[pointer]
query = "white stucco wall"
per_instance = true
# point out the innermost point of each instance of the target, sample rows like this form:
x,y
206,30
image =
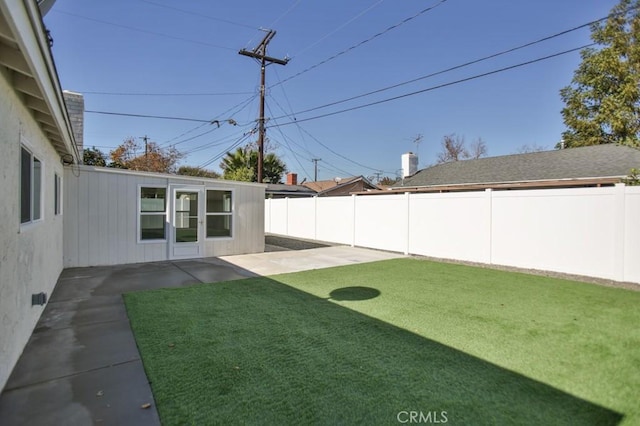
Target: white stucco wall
x,y
31,256
101,217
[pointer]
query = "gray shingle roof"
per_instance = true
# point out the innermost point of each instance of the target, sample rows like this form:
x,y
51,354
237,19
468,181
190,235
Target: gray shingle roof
x,y
584,162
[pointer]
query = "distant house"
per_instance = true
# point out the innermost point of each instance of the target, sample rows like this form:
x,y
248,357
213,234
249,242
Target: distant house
x,y
289,190
599,165
323,188
341,186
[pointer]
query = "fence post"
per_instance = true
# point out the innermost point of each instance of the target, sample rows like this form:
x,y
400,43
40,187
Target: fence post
x,y
353,221
407,196
489,197
267,215
286,216
315,217
618,233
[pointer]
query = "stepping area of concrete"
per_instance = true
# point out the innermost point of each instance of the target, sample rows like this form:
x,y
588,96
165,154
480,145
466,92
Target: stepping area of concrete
x,y
82,366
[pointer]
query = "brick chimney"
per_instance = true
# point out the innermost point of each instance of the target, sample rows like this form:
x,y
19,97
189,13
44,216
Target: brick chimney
x,y
292,179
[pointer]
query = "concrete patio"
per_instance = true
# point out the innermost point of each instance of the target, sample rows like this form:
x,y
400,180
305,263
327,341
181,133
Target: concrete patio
x,y
81,365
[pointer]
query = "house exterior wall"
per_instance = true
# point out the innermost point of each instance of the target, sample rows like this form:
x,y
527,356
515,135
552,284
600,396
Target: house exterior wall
x,y
101,217
583,231
31,255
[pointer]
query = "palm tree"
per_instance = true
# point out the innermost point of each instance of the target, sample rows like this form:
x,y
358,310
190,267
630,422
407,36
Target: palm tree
x,y
242,165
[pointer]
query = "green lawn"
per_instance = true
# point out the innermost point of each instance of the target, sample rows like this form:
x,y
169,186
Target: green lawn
x,y
372,343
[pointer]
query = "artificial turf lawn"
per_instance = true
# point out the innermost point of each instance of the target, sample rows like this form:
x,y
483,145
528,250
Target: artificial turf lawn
x,y
367,343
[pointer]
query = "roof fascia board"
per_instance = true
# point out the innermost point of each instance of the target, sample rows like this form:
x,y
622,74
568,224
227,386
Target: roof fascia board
x,y
165,175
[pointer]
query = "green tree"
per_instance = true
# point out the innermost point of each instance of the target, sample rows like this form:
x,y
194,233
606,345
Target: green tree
x,y
602,104
242,165
197,171
93,157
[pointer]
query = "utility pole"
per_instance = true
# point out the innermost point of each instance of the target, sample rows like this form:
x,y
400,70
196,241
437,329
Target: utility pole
x,y
145,138
315,175
377,175
260,53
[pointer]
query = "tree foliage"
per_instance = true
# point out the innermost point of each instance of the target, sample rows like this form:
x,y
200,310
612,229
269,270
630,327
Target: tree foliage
x,y
454,149
152,158
93,157
197,171
242,165
388,181
525,149
602,104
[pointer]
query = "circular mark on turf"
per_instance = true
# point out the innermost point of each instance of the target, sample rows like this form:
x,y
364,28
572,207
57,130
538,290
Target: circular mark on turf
x,y
354,293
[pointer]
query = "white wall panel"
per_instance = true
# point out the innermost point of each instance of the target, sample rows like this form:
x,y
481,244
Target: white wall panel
x,y
381,222
632,235
450,226
278,216
565,230
302,217
334,219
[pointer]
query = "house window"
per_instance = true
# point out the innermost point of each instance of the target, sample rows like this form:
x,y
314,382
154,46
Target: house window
x,y
30,187
57,194
153,213
219,213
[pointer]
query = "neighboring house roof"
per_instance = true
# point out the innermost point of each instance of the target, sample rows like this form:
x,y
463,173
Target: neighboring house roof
x,y
289,190
591,162
341,185
25,51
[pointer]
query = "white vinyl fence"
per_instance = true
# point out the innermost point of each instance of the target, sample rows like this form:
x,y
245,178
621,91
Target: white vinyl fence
x,y
584,231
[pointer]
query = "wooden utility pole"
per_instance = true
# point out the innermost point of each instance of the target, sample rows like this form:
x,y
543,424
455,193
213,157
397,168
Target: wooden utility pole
x,y
260,53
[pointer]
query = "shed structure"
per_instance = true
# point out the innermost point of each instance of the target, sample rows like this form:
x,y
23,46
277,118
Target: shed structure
x,y
114,216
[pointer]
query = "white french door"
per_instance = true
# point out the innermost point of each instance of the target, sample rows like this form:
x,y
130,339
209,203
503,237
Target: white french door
x,y
187,233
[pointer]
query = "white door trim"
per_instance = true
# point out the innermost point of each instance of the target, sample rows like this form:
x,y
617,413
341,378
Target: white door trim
x,y
186,250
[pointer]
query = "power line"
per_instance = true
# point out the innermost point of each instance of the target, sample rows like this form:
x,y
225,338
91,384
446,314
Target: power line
x,y
338,154
161,117
143,31
286,142
332,32
228,149
200,15
300,129
466,64
293,6
355,46
440,86
228,112
162,94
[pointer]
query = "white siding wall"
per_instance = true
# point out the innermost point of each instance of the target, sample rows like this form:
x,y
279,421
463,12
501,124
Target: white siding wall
x,y
101,218
31,256
584,231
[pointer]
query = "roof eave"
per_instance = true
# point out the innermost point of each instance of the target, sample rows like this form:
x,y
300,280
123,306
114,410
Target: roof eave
x,y
24,50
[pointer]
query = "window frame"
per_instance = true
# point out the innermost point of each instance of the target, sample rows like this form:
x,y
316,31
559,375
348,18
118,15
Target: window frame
x,y
231,214
33,188
164,213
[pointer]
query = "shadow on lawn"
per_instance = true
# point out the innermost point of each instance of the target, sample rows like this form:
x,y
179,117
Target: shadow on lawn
x,y
354,293
259,351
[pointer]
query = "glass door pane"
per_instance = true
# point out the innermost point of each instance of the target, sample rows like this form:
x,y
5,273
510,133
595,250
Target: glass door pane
x,y
186,217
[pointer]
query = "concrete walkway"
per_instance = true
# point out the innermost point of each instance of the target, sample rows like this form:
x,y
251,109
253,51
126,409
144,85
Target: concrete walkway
x,y
82,366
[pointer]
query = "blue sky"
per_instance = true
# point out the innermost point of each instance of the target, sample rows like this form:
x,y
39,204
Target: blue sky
x,y
180,59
